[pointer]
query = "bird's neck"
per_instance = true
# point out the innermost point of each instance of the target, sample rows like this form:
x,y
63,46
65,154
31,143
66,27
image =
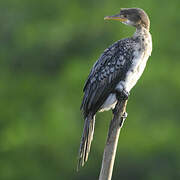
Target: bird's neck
x,y
141,31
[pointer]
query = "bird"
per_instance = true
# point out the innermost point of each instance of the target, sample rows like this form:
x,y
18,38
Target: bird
x,y
115,73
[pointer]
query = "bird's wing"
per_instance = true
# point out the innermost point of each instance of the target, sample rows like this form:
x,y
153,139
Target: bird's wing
x,y
108,70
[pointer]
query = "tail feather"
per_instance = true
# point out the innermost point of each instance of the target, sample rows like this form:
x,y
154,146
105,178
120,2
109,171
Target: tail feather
x,y
86,140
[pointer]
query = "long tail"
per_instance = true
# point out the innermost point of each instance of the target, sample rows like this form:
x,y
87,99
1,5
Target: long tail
x,y
86,140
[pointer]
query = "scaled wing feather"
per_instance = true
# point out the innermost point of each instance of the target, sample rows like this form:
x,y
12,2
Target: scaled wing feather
x,y
106,73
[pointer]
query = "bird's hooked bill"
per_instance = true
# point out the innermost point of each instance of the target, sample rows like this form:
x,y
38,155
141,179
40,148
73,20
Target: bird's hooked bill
x,y
115,17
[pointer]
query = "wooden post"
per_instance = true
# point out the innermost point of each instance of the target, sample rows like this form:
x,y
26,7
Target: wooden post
x,y
112,140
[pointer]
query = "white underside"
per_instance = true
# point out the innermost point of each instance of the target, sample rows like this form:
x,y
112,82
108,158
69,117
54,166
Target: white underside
x,y
132,76
109,103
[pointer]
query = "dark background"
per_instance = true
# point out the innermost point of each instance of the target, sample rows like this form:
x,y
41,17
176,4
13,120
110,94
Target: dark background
x,y
46,51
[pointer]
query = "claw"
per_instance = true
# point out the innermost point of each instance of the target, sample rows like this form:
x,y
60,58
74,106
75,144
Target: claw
x,y
125,94
122,95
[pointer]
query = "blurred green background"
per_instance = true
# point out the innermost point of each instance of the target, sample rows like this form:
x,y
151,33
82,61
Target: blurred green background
x,y
46,51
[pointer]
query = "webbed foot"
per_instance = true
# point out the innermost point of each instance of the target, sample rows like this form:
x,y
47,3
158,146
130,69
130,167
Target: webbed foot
x,y
122,95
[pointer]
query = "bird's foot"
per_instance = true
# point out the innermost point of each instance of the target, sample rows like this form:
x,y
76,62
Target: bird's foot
x,y
122,95
125,94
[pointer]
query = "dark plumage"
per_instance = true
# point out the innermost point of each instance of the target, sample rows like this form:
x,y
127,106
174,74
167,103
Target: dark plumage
x,y
110,68
116,72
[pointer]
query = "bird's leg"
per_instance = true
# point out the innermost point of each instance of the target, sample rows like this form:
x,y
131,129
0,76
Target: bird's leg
x,y
124,94
121,93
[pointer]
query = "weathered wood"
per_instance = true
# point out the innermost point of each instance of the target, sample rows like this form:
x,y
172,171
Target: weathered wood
x,y
112,140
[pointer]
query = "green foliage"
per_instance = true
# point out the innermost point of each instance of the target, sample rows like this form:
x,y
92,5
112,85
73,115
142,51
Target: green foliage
x,y
47,50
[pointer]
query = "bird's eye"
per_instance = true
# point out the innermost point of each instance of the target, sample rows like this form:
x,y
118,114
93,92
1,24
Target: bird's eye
x,y
125,16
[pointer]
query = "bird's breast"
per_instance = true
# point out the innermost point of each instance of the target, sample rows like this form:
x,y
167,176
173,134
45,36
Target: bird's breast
x,y
142,51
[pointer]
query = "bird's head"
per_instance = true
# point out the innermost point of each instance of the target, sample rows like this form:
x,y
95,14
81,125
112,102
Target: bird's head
x,y
132,16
